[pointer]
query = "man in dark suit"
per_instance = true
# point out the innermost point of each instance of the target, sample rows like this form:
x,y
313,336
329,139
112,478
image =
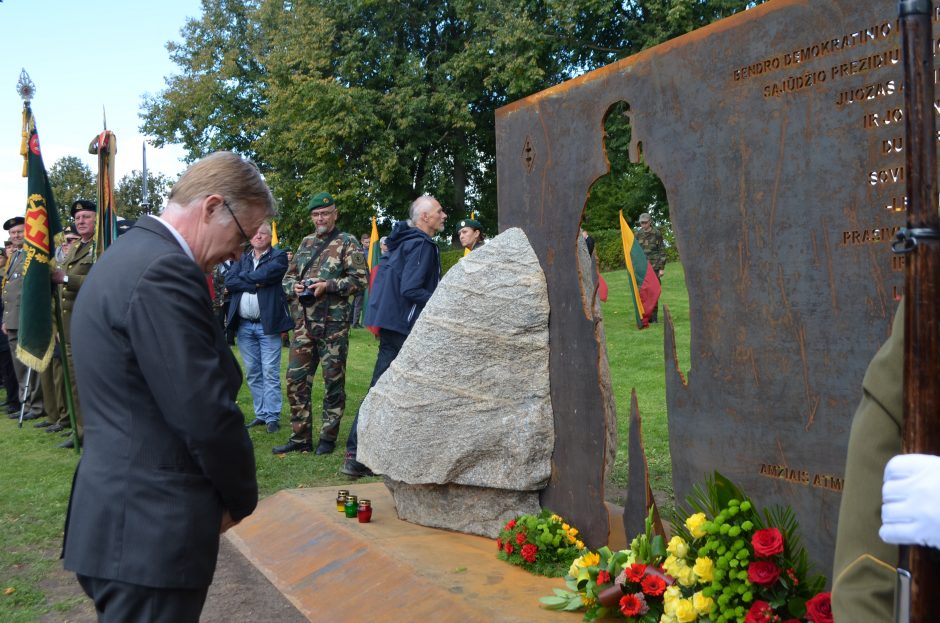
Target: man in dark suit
x,y
168,465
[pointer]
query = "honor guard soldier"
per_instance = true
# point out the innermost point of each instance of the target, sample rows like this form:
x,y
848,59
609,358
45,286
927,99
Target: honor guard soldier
x,y
78,262
12,293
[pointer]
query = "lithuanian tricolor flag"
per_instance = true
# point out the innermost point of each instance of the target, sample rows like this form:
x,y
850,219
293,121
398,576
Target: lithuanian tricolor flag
x,y
644,284
375,252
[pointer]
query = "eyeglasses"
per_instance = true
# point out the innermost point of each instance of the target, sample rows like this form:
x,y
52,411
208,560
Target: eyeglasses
x,y
323,213
237,224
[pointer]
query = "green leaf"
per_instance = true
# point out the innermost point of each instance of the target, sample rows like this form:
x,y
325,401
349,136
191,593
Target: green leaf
x,y
574,604
797,607
553,603
658,546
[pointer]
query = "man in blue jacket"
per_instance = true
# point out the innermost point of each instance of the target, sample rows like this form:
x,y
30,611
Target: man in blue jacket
x,y
258,312
406,279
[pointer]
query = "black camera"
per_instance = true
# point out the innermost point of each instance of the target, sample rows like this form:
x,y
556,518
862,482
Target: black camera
x,y
307,298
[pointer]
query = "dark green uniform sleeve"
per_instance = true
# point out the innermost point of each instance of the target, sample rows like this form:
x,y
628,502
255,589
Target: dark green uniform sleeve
x,y
864,574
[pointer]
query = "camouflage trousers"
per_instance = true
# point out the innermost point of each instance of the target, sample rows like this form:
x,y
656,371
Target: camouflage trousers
x,y
327,347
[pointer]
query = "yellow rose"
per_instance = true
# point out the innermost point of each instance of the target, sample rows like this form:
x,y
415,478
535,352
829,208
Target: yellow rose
x,y
678,547
674,566
583,562
666,618
695,525
705,569
686,576
579,544
670,599
703,605
685,611
565,526
572,531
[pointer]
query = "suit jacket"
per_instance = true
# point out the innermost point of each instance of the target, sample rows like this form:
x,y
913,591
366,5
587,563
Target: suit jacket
x,y
265,281
165,444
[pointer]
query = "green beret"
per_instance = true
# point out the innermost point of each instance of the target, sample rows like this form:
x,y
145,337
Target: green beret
x,y
469,222
320,200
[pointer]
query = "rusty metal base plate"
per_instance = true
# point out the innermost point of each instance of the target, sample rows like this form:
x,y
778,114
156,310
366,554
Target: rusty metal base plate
x,y
337,569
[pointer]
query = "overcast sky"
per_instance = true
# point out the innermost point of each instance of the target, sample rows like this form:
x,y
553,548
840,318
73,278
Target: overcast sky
x,y
83,55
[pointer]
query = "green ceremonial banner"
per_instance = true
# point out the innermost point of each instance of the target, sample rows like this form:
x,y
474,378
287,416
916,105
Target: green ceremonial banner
x,y
35,339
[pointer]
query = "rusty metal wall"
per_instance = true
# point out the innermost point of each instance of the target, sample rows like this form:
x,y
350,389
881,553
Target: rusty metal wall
x,y
776,135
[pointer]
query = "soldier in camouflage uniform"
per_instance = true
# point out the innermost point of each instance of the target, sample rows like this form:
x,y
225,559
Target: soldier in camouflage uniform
x,y
326,270
655,249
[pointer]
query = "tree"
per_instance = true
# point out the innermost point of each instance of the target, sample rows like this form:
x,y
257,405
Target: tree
x,y
71,179
128,194
633,187
217,102
377,102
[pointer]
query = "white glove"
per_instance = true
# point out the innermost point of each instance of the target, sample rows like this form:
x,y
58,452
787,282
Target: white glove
x,y
910,512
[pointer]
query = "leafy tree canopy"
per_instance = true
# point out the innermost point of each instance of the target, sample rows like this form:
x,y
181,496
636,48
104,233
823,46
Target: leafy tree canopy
x,y
377,102
128,194
71,179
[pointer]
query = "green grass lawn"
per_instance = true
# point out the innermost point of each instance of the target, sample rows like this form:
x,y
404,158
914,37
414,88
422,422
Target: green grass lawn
x,y
637,362
37,476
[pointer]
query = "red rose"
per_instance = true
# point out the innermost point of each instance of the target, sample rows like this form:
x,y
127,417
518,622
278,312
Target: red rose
x,y
763,572
510,524
520,538
767,542
630,605
653,585
759,613
635,572
508,547
499,544
603,577
528,552
819,608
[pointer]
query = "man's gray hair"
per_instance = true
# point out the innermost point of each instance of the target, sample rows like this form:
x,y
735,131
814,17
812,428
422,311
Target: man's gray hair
x,y
418,207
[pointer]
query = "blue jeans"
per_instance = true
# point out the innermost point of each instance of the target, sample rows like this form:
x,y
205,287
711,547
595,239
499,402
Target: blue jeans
x,y
262,356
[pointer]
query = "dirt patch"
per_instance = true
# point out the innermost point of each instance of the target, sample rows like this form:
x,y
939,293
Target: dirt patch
x,y
239,594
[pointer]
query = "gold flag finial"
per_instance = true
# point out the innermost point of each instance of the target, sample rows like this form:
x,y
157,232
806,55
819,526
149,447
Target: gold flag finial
x,y
26,89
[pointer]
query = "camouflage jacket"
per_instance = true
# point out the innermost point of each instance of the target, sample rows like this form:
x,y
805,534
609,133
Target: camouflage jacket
x,y
341,264
653,246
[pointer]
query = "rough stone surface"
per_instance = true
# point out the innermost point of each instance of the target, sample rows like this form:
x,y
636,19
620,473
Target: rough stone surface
x,y
467,399
474,510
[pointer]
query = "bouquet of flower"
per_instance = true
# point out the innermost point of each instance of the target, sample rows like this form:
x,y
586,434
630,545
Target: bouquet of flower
x,y
630,582
726,563
543,544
